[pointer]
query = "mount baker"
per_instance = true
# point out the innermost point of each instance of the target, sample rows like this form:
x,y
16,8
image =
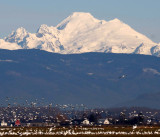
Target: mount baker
x,y
81,32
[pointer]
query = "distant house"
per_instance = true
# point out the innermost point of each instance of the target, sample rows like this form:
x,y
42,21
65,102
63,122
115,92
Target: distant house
x,y
103,122
3,123
86,122
106,122
149,121
17,123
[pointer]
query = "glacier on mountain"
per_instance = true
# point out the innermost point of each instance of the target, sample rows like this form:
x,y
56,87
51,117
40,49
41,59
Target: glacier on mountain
x,y
8,45
81,32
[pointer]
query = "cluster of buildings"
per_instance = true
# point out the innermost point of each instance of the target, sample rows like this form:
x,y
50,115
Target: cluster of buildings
x,y
55,116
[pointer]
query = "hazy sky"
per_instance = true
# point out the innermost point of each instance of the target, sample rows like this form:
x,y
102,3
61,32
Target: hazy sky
x,y
142,15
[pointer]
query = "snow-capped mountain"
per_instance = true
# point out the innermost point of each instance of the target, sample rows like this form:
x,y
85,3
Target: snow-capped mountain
x,y
81,32
8,45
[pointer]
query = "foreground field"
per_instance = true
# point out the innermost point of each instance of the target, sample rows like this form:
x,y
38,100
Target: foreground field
x,y
83,136
81,131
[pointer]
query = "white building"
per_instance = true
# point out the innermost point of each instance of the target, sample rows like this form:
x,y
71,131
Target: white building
x,y
86,122
103,121
3,123
106,122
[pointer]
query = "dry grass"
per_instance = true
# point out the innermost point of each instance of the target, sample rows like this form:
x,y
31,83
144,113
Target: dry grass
x,y
86,136
19,130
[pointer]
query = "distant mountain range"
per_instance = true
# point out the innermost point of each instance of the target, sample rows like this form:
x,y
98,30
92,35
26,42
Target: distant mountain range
x,y
80,33
94,79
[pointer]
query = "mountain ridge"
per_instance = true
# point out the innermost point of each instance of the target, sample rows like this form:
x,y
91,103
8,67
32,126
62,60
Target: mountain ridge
x,y
80,33
93,79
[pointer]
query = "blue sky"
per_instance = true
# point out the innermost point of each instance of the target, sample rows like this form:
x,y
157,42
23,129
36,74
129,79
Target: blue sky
x,y
142,15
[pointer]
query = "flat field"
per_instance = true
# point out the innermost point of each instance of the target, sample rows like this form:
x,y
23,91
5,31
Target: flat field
x,y
111,131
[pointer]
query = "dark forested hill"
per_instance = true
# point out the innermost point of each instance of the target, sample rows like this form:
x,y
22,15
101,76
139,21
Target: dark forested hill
x,y
94,79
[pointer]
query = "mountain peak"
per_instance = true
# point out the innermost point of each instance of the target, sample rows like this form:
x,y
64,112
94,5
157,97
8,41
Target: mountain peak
x,y
81,32
21,30
17,36
116,20
76,14
42,28
77,18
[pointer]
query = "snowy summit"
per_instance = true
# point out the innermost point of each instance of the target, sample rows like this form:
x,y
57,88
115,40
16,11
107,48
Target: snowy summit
x,y
81,32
